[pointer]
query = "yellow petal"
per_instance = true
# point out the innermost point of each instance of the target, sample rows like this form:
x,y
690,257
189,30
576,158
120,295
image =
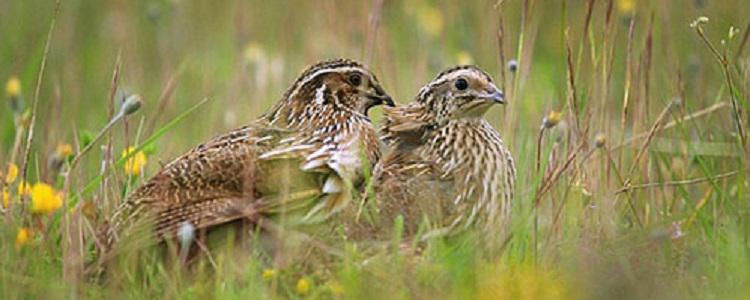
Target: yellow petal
x,y
6,197
254,53
134,165
22,238
303,286
625,6
464,58
430,20
24,188
13,87
44,199
64,150
336,288
268,274
12,174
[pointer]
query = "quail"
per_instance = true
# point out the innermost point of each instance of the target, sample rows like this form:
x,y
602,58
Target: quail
x,y
300,161
447,169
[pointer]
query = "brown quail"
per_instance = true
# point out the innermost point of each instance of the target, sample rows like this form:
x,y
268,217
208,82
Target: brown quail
x,y
448,169
298,162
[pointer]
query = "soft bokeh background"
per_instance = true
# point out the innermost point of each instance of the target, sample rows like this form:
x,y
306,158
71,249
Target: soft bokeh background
x,y
585,239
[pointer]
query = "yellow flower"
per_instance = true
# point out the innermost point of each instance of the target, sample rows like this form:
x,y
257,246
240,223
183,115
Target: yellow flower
x,y
64,150
430,20
6,197
303,286
12,174
335,287
44,199
626,7
134,164
22,238
254,53
268,274
464,58
13,87
523,282
24,188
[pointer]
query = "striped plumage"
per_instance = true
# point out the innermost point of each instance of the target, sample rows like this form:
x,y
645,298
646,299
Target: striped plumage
x,y
447,164
297,160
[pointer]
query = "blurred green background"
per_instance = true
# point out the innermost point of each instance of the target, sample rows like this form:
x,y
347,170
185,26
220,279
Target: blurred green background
x,y
244,54
674,240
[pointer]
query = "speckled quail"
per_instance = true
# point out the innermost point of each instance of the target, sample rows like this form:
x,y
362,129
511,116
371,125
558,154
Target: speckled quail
x,y
298,163
448,169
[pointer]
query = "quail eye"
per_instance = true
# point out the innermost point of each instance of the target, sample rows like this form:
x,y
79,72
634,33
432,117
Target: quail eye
x,y
355,79
461,84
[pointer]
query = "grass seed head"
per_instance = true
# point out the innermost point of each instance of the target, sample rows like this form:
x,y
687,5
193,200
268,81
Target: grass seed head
x,y
733,32
62,152
552,119
512,65
131,104
699,22
600,140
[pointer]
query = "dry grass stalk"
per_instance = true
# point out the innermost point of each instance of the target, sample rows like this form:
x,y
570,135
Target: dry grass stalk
x,y
676,182
646,65
723,62
108,157
372,30
628,81
73,252
499,37
745,37
623,182
69,274
37,89
649,138
548,182
695,115
166,96
572,99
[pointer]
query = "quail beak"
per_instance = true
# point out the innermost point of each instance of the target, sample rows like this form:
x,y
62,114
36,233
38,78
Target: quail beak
x,y
494,96
378,96
483,101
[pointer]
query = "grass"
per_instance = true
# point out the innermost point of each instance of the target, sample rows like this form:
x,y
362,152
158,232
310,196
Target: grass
x,y
640,190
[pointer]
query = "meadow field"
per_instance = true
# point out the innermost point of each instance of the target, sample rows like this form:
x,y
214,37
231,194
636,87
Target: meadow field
x,y
628,121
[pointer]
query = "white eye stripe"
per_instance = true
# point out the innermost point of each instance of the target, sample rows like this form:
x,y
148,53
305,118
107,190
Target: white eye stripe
x,y
320,96
317,73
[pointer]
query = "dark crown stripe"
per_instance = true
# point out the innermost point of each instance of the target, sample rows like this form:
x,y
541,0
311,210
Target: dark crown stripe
x,y
459,68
